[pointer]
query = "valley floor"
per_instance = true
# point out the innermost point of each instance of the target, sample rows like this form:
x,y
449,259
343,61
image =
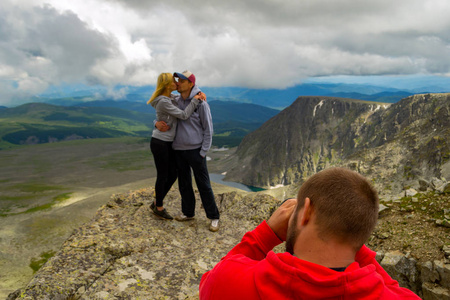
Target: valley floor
x,y
48,190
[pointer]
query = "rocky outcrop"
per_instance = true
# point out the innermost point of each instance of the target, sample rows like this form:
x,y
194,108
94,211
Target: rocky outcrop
x,y
430,280
394,145
126,252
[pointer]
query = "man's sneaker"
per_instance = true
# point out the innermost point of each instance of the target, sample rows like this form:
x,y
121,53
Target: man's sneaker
x,y
182,218
214,225
162,213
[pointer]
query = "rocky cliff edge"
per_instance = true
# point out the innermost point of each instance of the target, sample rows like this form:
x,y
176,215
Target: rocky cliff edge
x,y
125,252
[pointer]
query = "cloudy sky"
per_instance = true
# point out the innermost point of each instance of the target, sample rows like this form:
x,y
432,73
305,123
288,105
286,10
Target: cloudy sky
x,y
256,44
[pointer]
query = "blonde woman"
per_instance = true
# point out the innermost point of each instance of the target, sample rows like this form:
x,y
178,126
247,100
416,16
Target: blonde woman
x,y
161,142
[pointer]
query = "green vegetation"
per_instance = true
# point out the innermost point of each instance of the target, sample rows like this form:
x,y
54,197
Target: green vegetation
x,y
62,197
135,160
32,187
36,123
20,194
429,204
42,207
226,141
37,262
55,200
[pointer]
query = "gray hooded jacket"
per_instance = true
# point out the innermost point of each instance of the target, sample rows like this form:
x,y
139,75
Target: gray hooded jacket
x,y
196,131
167,110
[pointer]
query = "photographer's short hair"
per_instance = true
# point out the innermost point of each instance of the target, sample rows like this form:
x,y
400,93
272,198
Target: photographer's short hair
x,y
345,204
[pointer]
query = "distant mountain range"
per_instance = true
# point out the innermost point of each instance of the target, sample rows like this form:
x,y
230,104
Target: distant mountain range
x,y
280,99
35,123
274,98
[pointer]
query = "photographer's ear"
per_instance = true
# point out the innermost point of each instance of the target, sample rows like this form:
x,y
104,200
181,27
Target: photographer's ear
x,y
305,212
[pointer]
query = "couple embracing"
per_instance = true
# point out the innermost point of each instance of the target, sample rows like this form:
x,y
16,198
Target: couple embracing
x,y
180,141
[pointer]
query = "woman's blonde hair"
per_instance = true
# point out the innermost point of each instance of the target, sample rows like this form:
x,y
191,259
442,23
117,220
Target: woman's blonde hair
x,y
164,79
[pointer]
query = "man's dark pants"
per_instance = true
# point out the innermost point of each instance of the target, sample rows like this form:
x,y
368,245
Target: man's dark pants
x,y
187,159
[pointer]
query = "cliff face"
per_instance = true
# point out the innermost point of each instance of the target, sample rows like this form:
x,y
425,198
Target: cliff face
x,y
400,142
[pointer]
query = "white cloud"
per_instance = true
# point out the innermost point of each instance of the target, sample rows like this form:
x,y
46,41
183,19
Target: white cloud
x,y
263,43
44,47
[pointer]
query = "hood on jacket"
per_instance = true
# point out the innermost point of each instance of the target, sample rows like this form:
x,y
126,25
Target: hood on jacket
x,y
316,282
195,90
154,103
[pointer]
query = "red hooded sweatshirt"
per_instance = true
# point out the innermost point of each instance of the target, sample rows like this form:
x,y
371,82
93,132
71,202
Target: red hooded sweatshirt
x,y
251,270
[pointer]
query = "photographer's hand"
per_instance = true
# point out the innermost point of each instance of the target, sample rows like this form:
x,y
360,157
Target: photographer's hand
x,y
279,221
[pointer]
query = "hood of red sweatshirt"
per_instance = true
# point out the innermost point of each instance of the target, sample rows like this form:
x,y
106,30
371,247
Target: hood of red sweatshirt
x,y
293,278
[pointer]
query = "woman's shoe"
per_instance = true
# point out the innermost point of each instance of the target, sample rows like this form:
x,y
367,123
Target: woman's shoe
x,y
182,218
162,213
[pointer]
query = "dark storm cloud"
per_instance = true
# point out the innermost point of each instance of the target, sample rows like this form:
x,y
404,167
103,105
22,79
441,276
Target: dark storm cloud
x,y
255,43
40,46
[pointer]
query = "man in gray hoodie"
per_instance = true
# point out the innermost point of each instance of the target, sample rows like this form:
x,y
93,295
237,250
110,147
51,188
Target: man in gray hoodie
x,y
192,141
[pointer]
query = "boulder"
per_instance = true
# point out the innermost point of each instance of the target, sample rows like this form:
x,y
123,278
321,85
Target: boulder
x,y
410,192
423,185
445,188
382,208
433,292
437,183
446,249
428,273
403,269
444,272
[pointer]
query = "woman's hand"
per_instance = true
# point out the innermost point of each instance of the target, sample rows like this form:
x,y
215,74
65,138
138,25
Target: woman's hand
x,y
200,96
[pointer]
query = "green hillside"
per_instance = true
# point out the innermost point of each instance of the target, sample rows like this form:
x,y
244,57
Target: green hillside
x,y
37,123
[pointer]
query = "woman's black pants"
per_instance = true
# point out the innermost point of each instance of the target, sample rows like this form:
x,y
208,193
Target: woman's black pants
x,y
166,168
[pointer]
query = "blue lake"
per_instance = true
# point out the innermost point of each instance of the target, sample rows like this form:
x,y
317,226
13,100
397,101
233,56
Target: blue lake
x,y
218,178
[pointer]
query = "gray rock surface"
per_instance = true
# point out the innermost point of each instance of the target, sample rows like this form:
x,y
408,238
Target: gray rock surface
x,y
126,252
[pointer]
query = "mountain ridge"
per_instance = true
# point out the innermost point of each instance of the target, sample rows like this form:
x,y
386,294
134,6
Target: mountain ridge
x,y
410,138
274,98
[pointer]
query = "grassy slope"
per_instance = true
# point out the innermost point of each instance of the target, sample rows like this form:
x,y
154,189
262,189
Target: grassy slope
x,y
37,177
41,184
41,123
46,122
